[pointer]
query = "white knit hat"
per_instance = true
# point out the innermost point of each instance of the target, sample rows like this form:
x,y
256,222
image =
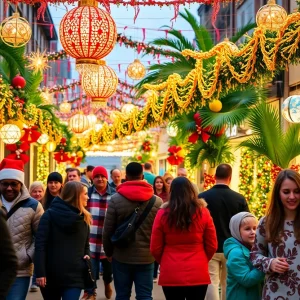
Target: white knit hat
x,y
12,169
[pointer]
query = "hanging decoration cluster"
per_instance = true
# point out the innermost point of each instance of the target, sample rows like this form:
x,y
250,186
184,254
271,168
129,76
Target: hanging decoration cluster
x,y
43,166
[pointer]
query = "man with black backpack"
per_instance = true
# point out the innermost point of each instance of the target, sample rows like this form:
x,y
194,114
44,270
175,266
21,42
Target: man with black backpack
x,y
133,206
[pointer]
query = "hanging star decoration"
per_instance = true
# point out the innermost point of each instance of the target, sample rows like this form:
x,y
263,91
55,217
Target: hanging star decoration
x,y
38,61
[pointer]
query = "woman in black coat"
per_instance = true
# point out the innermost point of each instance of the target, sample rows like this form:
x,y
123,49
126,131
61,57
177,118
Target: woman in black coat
x,y
62,245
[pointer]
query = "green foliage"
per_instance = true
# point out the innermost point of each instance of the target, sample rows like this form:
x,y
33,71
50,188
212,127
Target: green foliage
x,y
268,139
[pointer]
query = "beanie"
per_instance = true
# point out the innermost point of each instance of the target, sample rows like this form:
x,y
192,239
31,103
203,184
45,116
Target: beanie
x,y
12,169
55,176
100,171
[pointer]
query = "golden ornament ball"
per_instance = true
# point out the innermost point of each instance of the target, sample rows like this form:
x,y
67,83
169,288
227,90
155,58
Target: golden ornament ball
x,y
79,154
215,105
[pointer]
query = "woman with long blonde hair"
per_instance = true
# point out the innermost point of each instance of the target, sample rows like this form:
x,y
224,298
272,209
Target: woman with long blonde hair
x,y
62,244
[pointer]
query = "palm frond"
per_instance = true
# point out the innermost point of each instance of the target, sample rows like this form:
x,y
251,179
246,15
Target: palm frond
x,y
249,26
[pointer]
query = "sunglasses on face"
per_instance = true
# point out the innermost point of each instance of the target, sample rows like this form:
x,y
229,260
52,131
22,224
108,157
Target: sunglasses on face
x,y
6,184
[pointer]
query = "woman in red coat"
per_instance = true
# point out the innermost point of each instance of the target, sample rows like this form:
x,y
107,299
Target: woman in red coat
x,y
183,241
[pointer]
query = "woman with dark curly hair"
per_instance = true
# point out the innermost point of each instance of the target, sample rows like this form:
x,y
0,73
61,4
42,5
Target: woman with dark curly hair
x,y
183,241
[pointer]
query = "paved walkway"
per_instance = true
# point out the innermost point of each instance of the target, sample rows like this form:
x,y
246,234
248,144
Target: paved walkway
x,y
157,293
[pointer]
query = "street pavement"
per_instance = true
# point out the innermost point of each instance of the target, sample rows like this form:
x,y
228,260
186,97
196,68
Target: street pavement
x,y
157,293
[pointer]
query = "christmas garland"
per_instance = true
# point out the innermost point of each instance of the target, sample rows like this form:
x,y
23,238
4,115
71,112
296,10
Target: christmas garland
x,y
252,64
42,170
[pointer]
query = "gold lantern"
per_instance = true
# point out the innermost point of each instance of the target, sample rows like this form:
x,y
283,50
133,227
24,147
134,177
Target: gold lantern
x,y
271,16
92,120
51,146
43,139
136,70
10,134
88,34
127,108
15,31
65,107
100,84
79,123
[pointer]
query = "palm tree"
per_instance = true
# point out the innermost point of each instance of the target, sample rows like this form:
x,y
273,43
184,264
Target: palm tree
x,y
268,138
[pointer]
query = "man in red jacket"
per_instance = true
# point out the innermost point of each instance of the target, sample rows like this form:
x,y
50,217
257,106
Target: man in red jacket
x,y
135,262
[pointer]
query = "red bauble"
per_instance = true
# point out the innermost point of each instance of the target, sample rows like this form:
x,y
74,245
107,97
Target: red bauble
x,y
19,82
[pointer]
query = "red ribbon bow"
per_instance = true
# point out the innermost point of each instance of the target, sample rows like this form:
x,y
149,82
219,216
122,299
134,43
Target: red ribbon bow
x,y
173,158
200,132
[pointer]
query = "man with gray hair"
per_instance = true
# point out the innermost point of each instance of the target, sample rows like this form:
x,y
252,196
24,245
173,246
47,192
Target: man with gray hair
x,y
182,172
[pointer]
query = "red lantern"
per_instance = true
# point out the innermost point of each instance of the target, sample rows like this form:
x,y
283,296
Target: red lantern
x,y
18,82
87,33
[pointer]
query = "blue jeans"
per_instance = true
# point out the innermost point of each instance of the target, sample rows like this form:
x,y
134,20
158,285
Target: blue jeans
x,y
127,274
52,293
19,289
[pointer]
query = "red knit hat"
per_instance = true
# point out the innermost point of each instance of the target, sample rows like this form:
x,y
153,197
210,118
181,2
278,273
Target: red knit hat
x,y
12,169
100,171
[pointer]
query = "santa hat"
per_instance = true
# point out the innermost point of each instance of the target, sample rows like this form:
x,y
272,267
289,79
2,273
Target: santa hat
x,y
100,171
12,169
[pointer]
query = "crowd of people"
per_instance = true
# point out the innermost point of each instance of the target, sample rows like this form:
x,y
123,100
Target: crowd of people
x,y
144,229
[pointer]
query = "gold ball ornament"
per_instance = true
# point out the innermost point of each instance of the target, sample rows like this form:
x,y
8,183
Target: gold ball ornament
x,y
181,153
79,154
15,31
271,16
215,105
65,107
10,134
79,123
51,146
43,139
136,70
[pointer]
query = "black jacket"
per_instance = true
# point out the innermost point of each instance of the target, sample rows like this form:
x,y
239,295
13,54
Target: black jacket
x,y
8,259
223,203
61,243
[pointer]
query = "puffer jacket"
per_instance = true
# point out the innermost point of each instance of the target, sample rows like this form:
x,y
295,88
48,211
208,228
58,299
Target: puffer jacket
x,y
121,205
23,225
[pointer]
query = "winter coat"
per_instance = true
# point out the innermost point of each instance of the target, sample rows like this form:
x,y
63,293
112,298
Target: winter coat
x,y
8,259
243,280
121,205
61,243
183,255
23,225
223,203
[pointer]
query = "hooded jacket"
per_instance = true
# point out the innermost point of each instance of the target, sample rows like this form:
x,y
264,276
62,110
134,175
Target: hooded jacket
x,y
243,280
129,195
23,225
61,243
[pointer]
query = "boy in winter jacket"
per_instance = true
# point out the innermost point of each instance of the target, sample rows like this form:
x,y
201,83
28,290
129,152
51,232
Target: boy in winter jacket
x,y
243,280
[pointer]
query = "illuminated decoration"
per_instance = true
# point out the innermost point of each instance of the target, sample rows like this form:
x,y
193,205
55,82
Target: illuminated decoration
x,y
233,47
46,97
172,130
51,146
79,123
42,169
98,127
209,181
215,105
100,84
10,134
43,139
136,70
18,123
65,107
38,61
246,177
92,120
291,109
127,108
271,16
88,34
15,31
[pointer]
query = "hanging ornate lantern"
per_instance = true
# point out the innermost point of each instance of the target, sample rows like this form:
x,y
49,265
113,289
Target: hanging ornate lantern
x,y
88,34
271,16
43,139
136,70
10,134
100,84
51,146
15,31
79,123
65,107
127,108
291,109
92,120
